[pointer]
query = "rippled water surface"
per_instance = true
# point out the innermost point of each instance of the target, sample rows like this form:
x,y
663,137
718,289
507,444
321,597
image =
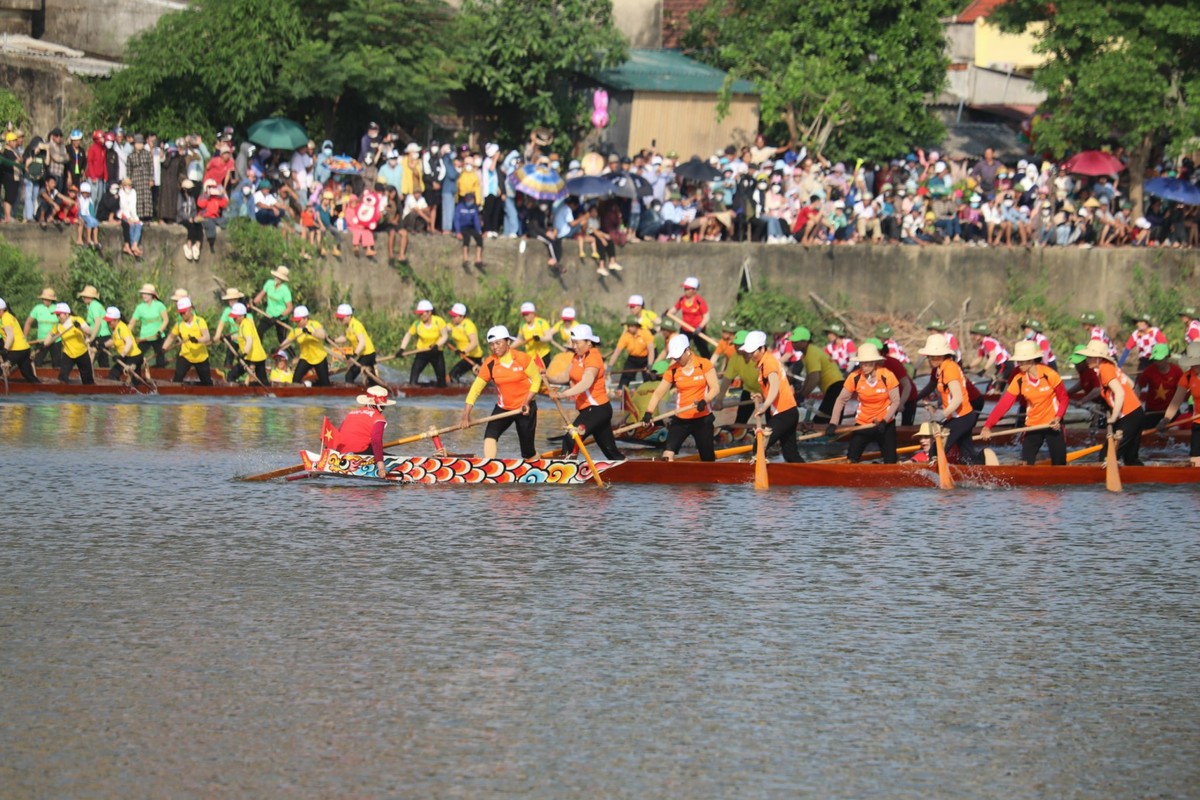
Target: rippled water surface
x,y
168,631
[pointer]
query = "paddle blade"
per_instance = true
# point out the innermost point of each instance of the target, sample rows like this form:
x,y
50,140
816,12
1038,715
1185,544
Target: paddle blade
x,y
1112,473
275,473
944,479
1078,454
760,461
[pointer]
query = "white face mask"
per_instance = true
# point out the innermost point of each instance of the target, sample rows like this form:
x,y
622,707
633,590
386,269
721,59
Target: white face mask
x,y
108,145
246,190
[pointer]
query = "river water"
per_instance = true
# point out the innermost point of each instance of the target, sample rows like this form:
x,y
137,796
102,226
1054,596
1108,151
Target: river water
x,y
169,631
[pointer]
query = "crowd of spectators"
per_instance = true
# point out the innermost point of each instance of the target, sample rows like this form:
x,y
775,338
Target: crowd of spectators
x,y
394,188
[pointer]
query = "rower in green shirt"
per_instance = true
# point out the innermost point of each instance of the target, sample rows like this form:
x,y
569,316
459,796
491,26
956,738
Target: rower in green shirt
x,y
739,366
43,315
150,316
94,314
819,371
278,295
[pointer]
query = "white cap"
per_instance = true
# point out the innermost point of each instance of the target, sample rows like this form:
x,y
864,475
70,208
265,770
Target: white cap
x,y
679,343
85,187
3,305
345,310
584,333
110,313
691,283
839,203
528,308
183,304
636,300
412,147
458,310
62,308
424,305
393,154
299,312
498,332
939,167
568,313
656,160
490,149
237,310
754,340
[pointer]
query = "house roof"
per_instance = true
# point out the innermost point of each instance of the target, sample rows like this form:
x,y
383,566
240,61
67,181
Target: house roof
x,y
667,71
978,9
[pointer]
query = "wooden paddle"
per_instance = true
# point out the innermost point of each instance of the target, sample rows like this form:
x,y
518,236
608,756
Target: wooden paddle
x,y
839,432
279,473
667,415
1112,472
1010,432
4,368
129,368
943,468
1096,448
761,483
689,329
245,364
367,371
728,452
868,456
574,431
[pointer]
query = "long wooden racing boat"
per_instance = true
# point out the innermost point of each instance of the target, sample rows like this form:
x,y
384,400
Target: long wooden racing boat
x,y
107,387
431,470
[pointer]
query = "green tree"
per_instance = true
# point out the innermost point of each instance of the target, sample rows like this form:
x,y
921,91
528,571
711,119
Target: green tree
x,y
313,62
21,280
1127,70
848,77
527,60
12,112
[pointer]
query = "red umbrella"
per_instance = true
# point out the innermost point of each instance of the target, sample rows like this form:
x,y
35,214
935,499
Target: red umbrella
x,y
1093,162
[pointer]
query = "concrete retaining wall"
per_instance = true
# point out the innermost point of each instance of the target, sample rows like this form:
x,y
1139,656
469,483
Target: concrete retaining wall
x,y
892,279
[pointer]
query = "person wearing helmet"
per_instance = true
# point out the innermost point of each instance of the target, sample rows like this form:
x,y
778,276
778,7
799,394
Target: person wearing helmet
x,y
820,373
638,344
892,348
1094,325
1033,333
1142,340
1045,398
840,347
517,379
310,336
740,367
878,393
991,357
1156,383
1191,324
776,397
191,333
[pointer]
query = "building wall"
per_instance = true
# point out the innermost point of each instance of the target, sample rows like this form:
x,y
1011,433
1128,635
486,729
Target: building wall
x,y
52,96
640,22
103,29
1003,51
687,123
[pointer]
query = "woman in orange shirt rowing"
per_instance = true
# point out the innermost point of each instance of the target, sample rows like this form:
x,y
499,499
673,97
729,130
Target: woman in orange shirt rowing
x,y
591,396
878,392
1125,416
957,414
777,398
695,379
1046,402
517,381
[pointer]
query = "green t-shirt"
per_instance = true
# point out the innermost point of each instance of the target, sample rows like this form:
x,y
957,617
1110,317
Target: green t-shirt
x,y
95,316
741,367
149,315
225,323
45,318
278,297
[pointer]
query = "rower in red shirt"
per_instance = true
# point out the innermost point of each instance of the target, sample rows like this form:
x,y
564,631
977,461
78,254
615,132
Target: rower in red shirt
x,y
1088,387
693,310
1157,383
362,430
1189,383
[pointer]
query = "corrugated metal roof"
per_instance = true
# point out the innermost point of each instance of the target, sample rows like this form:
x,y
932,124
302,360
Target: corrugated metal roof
x,y
667,71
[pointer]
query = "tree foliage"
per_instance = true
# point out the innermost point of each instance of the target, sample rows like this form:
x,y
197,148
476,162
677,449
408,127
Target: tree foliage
x,y
1127,70
12,111
528,58
848,77
206,66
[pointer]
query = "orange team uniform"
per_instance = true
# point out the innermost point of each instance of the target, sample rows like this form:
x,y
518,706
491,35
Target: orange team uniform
x,y
948,373
357,430
513,383
786,398
691,387
1108,371
873,399
597,393
724,348
1190,380
637,344
1042,396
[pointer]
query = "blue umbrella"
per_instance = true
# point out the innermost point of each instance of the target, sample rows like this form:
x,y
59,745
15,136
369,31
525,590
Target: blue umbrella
x,y
538,181
1175,189
589,186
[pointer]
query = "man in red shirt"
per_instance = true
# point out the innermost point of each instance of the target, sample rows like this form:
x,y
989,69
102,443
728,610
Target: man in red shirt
x,y
693,310
1157,383
362,430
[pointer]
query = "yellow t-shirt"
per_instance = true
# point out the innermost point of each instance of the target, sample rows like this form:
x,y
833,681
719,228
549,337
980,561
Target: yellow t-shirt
x,y
648,319
192,352
541,329
19,343
312,349
460,335
427,334
562,329
818,361
280,375
357,332
73,342
249,343
120,335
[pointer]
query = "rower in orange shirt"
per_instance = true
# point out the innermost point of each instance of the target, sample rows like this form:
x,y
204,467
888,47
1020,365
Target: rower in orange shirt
x,y
638,344
725,348
1125,416
1045,403
777,398
362,429
517,380
1189,382
957,415
695,380
591,396
878,392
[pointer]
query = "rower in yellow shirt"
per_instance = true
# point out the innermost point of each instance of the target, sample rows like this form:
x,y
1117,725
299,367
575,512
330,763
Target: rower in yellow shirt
x,y
192,334
281,373
15,351
562,329
431,333
821,371
310,336
244,333
122,345
362,349
464,338
533,334
650,320
74,333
